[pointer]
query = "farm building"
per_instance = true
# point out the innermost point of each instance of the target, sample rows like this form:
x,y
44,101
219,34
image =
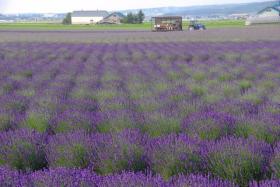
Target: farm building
x,y
114,18
88,17
267,15
241,16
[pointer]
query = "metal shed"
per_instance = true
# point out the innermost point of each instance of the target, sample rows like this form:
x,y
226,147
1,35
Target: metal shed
x,y
267,15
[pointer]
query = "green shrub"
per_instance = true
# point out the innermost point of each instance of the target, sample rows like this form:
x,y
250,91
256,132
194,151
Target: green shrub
x,y
162,126
5,122
225,77
37,121
198,91
69,150
238,160
244,85
22,150
199,76
259,129
114,125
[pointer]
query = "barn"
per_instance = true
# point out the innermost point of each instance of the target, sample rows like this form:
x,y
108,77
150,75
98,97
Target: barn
x,y
114,18
88,17
267,15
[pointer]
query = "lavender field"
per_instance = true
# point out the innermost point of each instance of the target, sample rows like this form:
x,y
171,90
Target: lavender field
x,y
140,113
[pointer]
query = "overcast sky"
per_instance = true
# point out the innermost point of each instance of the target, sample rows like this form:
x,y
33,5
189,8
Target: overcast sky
x,y
55,6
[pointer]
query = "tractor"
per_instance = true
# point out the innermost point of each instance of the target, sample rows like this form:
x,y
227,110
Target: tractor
x,y
195,25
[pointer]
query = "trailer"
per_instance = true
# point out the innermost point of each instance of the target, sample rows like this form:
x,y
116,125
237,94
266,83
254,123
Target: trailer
x,y
167,23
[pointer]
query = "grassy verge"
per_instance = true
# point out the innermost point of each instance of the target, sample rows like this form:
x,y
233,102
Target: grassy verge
x,y
224,23
144,26
57,27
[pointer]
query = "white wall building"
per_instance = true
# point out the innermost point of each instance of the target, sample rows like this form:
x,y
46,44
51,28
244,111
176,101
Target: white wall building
x,y
267,15
88,17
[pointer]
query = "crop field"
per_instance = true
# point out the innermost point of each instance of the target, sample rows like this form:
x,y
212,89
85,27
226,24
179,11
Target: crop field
x,y
252,33
116,111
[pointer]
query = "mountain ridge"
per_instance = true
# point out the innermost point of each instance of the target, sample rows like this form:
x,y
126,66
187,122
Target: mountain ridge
x,y
207,10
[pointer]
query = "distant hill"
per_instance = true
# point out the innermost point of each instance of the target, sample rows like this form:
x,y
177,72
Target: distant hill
x,y
210,10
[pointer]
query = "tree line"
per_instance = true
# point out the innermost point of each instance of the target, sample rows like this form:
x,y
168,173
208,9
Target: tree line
x,y
134,18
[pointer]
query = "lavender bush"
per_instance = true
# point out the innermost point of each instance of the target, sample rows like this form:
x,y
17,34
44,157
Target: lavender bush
x,y
265,183
69,150
173,155
238,160
113,153
262,128
129,179
63,177
84,177
22,150
199,180
209,125
6,122
275,162
74,120
9,178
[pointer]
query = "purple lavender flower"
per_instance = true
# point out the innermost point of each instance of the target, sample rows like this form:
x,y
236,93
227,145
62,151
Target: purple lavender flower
x,y
64,177
129,179
265,183
10,178
199,180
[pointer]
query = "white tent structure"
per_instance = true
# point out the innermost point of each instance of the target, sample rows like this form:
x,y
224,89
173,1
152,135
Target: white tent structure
x,y
88,17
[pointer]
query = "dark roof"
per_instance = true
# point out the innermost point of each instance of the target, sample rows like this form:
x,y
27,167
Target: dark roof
x,y
167,17
115,13
97,13
275,8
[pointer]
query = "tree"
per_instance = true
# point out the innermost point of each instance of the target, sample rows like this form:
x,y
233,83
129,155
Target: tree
x,y
141,16
67,19
130,18
134,18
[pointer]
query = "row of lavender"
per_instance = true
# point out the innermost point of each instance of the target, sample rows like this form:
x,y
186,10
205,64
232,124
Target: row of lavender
x,y
60,88
234,159
76,178
220,99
